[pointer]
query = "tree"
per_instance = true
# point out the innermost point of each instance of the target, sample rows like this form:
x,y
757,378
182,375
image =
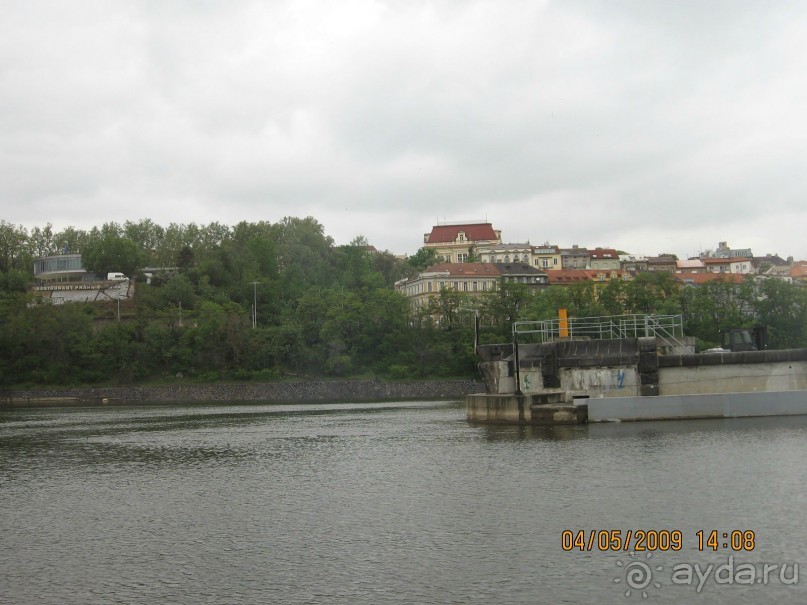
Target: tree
x,y
425,257
71,240
112,253
502,307
42,242
145,233
783,308
13,247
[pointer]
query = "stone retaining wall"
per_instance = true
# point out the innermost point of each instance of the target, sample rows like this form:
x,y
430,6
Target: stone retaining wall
x,y
306,391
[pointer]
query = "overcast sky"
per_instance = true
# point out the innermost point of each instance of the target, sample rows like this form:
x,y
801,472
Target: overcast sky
x,y
650,126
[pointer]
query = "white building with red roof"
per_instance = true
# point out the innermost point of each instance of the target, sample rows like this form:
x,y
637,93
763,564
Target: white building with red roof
x,y
455,242
741,266
469,278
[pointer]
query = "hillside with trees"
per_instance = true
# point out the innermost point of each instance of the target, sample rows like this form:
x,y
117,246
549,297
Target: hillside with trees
x,y
269,301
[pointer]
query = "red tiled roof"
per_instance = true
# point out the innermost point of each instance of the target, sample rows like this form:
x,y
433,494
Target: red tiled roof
x,y
604,253
566,276
448,233
465,269
570,276
703,278
798,271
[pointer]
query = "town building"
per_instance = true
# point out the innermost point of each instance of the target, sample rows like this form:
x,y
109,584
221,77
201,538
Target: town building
x,y
798,273
692,265
698,279
469,278
472,279
568,277
505,253
547,257
456,242
604,258
724,251
575,258
763,263
742,266
61,268
630,262
522,273
663,262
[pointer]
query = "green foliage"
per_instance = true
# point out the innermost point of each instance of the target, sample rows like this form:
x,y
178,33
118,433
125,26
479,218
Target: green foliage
x,y
112,253
14,280
503,306
321,309
423,258
783,308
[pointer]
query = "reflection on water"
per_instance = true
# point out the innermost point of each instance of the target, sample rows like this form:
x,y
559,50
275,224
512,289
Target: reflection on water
x,y
382,503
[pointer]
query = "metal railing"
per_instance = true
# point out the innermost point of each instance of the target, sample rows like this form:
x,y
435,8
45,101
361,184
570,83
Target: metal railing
x,y
667,327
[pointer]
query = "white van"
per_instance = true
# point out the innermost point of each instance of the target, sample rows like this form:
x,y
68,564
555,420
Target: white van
x,y
117,276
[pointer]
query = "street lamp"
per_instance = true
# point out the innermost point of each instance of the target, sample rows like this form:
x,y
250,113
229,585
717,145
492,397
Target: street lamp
x,y
254,304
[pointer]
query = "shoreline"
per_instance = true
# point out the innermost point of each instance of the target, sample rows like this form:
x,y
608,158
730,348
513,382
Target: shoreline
x,y
308,391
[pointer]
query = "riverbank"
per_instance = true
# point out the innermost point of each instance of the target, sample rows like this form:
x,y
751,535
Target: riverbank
x,y
280,392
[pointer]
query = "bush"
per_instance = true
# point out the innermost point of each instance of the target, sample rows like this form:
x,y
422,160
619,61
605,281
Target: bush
x,y
338,365
399,371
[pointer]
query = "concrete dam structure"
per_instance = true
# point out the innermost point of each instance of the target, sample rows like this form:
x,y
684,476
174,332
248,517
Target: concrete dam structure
x,y
570,381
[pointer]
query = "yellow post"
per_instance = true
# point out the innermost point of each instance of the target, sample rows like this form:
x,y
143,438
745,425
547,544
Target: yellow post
x,y
563,324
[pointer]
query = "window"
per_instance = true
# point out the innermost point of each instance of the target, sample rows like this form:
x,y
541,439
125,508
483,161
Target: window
x,y
430,286
465,286
475,286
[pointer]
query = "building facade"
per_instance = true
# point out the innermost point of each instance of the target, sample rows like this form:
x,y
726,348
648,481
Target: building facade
x,y
61,268
547,257
471,279
505,253
575,258
456,242
468,278
604,258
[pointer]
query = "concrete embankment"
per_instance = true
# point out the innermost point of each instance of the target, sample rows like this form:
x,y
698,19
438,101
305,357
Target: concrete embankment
x,y
276,392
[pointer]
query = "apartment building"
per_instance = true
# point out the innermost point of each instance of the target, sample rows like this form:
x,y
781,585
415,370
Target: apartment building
x,y
604,258
547,257
455,242
472,279
575,258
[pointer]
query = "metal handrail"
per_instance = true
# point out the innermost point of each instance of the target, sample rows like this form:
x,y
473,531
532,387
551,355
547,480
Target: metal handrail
x,y
668,327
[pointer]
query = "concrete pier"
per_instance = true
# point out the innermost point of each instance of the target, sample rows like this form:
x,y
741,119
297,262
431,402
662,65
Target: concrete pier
x,y
550,407
713,405
629,379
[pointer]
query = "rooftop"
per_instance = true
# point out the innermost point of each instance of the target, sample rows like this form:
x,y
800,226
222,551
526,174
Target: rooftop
x,y
441,234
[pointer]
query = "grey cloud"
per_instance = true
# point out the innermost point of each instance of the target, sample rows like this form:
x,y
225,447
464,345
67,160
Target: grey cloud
x,y
614,123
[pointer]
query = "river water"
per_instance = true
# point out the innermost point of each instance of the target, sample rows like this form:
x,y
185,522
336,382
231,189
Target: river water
x,y
391,503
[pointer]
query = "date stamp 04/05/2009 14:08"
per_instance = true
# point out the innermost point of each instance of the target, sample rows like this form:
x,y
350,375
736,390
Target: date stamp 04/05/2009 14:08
x,y
638,577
